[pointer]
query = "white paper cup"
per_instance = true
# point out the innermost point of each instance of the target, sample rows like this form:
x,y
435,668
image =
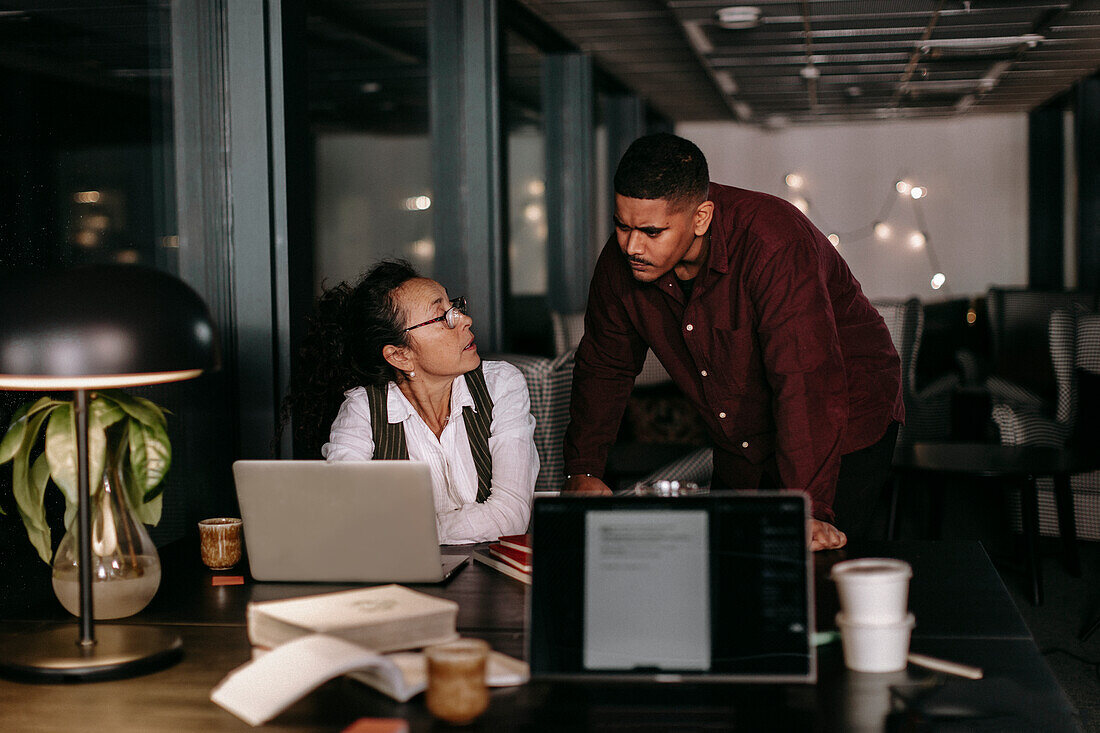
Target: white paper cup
x,y
875,647
873,590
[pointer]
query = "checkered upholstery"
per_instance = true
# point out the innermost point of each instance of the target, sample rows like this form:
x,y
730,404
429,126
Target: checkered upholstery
x,y
927,410
568,330
549,382
1074,341
1021,373
696,466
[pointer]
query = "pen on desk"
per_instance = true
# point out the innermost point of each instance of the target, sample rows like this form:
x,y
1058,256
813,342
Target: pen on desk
x,y
942,665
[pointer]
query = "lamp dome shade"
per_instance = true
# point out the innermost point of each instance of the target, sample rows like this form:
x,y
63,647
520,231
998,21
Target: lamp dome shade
x,y
102,326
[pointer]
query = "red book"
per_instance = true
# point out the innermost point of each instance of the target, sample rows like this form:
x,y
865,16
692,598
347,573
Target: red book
x,y
520,542
516,558
495,562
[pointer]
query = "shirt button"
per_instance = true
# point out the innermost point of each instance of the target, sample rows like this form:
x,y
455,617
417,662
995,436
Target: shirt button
x,y
745,444
722,415
704,372
690,327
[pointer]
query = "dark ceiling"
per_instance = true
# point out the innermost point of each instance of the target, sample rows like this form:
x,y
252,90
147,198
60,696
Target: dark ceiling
x,y
832,60
797,62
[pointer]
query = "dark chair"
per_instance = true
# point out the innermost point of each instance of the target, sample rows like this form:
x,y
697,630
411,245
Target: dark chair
x,y
1021,373
928,409
1074,348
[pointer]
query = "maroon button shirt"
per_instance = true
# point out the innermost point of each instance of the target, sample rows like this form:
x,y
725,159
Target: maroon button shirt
x,y
777,347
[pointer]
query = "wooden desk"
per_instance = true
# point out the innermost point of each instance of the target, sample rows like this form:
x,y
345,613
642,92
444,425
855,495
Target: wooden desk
x,y
963,613
1015,467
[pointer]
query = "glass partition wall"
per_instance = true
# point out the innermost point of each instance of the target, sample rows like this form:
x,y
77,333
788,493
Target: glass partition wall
x,y
526,319
87,176
86,141
367,95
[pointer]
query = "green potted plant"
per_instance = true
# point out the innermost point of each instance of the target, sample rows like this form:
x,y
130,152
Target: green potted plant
x,y
129,454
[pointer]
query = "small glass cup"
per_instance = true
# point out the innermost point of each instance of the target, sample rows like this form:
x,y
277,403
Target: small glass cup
x,y
457,692
220,542
667,487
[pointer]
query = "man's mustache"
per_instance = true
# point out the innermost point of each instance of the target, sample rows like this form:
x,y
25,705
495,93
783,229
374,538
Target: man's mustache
x,y
638,260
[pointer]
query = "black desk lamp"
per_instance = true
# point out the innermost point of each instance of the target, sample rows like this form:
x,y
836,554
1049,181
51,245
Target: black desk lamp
x,y
93,328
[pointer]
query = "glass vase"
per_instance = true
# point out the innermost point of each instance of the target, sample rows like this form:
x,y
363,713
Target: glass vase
x,y
125,563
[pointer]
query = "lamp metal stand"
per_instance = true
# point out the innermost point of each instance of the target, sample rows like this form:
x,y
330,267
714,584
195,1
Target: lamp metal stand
x,y
122,650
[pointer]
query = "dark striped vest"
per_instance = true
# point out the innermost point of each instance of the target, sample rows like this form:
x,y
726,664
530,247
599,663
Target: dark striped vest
x,y
389,438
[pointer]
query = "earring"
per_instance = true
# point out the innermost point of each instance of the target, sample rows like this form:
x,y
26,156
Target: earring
x,y
410,375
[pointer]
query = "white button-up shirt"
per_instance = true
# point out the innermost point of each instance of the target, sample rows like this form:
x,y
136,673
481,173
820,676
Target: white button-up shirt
x,y
459,518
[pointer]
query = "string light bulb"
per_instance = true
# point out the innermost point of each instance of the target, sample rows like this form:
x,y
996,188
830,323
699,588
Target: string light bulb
x,y
880,228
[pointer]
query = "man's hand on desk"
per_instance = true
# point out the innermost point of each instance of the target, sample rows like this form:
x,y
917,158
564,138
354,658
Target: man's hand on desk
x,y
824,536
582,484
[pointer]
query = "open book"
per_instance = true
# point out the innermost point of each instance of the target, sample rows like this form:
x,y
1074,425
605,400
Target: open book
x,y
259,690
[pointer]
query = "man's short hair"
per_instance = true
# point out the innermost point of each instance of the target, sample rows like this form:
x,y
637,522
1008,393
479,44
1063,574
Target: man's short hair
x,y
663,166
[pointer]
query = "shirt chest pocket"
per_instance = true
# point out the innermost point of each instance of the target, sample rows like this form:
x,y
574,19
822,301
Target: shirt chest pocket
x,y
733,358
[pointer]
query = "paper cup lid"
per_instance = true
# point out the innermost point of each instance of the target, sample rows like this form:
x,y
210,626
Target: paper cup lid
x,y
871,569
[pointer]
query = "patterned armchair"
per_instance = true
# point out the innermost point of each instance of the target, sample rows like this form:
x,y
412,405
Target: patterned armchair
x,y
568,329
1074,339
928,410
549,382
1020,373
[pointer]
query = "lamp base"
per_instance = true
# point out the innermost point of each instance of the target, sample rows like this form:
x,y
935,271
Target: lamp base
x,y
55,655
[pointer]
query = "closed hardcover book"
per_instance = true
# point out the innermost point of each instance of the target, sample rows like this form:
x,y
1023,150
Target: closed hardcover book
x,y
512,556
384,618
492,561
520,542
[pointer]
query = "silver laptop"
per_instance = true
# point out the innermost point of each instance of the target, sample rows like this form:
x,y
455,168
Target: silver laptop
x,y
353,521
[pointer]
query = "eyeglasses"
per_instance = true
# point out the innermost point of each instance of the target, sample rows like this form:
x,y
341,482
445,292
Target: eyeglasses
x,y
450,317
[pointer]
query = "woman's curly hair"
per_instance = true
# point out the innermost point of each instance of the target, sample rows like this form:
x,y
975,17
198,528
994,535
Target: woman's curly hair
x,y
342,349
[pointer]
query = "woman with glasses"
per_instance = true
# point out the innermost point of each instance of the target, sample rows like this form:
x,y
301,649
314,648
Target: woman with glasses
x,y
400,353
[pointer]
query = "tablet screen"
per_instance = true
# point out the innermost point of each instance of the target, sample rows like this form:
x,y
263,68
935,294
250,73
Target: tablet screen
x,y
716,586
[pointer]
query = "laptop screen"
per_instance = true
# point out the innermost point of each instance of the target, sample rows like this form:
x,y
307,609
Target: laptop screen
x,y
710,587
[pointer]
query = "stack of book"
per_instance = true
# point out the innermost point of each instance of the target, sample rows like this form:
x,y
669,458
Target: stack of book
x,y
510,555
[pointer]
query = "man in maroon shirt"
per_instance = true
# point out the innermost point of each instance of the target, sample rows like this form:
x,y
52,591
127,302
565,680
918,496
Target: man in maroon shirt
x,y
760,322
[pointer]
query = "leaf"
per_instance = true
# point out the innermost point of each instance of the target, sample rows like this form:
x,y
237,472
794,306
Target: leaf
x,y
70,514
14,436
134,486
30,504
150,457
61,451
139,408
149,512
61,446
40,475
39,478
13,439
101,415
104,412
